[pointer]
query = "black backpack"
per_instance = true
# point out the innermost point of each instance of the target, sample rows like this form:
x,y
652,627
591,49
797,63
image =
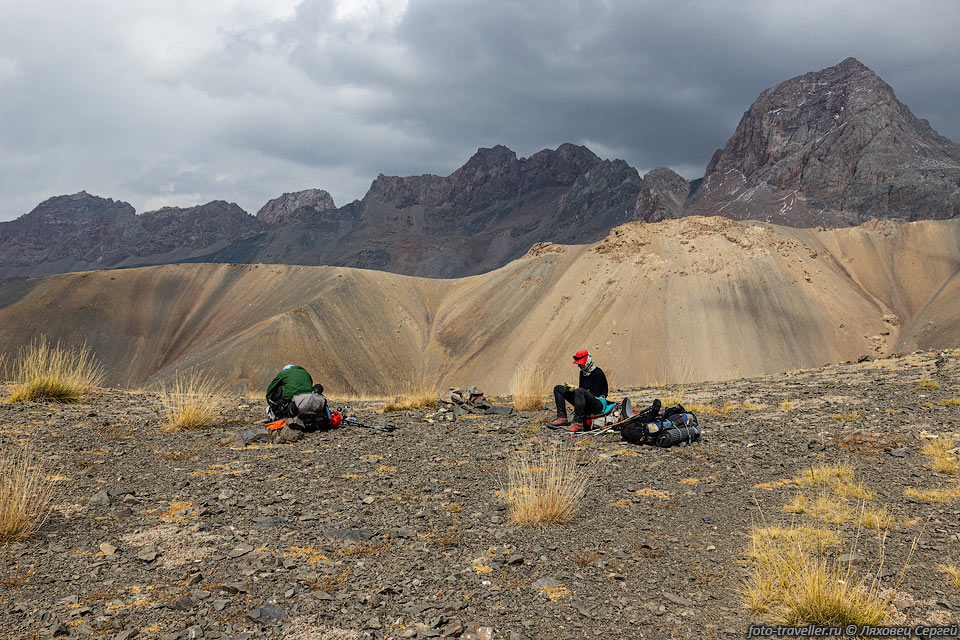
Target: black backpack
x,y
675,426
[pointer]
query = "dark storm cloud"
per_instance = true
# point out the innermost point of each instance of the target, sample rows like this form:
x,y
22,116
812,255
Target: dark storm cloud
x,y
188,103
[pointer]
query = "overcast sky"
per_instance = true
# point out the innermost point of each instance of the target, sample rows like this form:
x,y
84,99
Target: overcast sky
x,y
180,103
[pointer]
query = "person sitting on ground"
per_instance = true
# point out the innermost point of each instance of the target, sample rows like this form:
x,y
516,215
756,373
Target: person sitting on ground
x,y
293,396
588,398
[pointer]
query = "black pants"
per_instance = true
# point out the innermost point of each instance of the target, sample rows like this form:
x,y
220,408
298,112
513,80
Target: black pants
x,y
584,403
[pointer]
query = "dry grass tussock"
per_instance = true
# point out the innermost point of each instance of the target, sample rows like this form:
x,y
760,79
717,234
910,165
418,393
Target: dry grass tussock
x,y
952,571
26,493
709,409
794,581
942,495
926,384
853,416
943,454
529,388
41,372
838,478
546,488
824,474
419,397
191,401
798,574
944,457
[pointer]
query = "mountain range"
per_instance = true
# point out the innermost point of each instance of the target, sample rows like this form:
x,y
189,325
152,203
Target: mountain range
x,y
833,148
699,298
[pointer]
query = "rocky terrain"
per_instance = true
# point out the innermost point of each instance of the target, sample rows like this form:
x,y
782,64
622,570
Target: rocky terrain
x,y
358,534
833,147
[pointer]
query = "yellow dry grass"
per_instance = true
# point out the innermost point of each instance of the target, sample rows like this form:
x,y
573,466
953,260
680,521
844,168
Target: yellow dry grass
x,y
793,582
529,388
822,475
830,510
799,504
825,592
952,571
943,455
838,478
419,397
847,417
803,538
44,373
547,487
854,490
788,405
191,401
926,384
951,402
940,495
878,519
26,493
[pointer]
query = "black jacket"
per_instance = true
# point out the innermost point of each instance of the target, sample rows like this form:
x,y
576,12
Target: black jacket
x,y
595,383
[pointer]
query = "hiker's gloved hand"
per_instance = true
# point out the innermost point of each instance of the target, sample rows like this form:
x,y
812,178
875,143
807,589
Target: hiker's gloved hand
x,y
569,387
318,388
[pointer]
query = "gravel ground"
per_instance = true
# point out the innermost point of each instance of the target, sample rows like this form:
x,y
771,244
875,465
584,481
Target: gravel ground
x,y
353,533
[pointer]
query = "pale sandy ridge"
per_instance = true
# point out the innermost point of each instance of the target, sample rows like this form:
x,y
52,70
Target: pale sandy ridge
x,y
682,300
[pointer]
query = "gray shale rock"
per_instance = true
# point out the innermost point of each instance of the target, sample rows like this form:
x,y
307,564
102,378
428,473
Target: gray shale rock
x,y
792,156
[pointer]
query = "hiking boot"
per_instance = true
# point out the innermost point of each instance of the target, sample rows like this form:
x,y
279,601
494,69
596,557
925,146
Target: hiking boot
x,y
576,427
559,422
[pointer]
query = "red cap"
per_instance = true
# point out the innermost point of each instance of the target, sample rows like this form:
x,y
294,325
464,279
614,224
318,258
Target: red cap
x,y
580,357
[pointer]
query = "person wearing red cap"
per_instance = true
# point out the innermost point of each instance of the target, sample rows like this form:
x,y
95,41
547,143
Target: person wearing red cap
x,y
585,398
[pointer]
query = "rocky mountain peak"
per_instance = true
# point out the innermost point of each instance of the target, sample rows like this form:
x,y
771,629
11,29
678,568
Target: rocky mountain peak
x,y
557,168
290,206
77,209
833,146
490,175
662,194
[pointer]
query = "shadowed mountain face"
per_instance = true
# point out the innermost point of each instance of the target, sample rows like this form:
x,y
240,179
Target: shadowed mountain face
x,y
486,213
832,147
690,299
81,232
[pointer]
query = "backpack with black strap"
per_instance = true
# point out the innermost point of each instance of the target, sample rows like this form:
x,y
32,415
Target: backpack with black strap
x,y
675,426
311,409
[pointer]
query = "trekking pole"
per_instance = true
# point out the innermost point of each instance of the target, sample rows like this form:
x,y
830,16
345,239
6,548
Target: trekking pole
x,y
592,435
389,428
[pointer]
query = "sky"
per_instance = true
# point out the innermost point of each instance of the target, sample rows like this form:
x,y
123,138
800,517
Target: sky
x,y
179,103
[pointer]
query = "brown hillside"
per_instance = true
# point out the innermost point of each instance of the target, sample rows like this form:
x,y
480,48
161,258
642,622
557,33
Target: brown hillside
x,y
690,299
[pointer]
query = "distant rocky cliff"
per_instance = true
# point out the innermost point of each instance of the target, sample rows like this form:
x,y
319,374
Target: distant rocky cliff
x,y
486,213
662,195
831,147
291,206
834,147
81,232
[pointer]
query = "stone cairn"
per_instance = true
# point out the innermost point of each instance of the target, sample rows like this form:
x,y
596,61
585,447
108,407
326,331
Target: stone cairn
x,y
457,403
